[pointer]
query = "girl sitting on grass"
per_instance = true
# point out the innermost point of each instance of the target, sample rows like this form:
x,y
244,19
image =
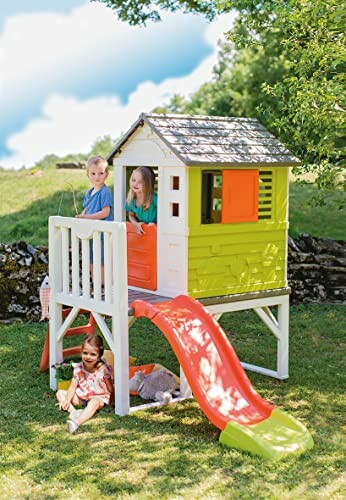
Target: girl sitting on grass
x,y
141,200
91,385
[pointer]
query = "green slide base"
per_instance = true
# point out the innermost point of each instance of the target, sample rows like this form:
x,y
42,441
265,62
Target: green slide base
x,y
277,436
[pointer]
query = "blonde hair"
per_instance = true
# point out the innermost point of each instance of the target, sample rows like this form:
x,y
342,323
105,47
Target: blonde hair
x,y
148,177
97,160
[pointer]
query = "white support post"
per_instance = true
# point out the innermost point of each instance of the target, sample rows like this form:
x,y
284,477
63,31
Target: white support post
x,y
120,190
120,323
283,343
55,309
55,346
185,389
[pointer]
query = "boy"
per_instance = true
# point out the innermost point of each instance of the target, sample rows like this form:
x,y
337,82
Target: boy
x,y
98,201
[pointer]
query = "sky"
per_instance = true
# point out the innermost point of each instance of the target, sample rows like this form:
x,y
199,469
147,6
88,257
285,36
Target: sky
x,y
71,72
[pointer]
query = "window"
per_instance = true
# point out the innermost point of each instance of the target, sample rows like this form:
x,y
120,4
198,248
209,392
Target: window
x,y
175,183
211,196
230,196
175,209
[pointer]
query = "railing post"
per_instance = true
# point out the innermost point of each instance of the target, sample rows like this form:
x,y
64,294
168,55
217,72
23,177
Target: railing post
x,y
55,310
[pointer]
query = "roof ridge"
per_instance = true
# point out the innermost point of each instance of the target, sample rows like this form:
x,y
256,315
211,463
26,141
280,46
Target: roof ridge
x,y
199,117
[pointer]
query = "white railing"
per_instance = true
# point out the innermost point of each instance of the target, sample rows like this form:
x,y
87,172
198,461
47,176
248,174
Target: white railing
x,y
70,242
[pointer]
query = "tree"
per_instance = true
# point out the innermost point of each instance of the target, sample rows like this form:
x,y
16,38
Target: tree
x,y
284,65
140,12
305,41
102,146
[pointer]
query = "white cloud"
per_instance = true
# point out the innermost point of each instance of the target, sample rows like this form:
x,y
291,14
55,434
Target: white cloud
x,y
68,124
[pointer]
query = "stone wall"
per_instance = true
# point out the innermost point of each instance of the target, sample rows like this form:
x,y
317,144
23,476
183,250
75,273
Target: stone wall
x,y
316,270
316,274
22,270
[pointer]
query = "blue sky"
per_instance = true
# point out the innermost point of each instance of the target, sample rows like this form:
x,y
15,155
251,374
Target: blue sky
x,y
71,72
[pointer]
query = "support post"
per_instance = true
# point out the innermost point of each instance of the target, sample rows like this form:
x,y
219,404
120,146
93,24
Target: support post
x,y
120,323
55,309
282,350
185,389
55,346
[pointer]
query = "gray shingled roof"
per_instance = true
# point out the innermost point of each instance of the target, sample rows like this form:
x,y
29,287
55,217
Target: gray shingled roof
x,y
214,140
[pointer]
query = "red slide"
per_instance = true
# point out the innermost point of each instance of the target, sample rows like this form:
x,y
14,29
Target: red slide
x,y
212,368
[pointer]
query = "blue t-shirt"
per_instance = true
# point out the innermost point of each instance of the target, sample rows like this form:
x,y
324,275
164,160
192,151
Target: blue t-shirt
x,y
96,202
146,216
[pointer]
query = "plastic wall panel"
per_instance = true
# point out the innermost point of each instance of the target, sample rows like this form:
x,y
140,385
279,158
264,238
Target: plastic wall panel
x,y
237,257
142,257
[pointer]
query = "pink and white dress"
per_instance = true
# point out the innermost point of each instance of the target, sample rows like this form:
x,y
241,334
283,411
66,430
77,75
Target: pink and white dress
x,y
92,384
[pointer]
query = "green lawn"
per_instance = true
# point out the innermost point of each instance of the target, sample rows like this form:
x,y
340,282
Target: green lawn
x,y
327,221
173,452
29,197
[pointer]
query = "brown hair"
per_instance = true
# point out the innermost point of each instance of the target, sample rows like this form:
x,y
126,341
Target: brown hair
x,y
94,341
148,177
97,160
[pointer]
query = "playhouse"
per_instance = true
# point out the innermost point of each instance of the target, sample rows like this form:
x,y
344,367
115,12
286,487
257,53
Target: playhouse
x,y
222,188
220,245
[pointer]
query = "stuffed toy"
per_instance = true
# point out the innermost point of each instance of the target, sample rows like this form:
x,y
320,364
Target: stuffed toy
x,y
158,385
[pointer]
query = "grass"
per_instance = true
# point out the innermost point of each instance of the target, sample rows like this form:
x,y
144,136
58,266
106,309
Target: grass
x,y
173,452
327,221
29,197
38,195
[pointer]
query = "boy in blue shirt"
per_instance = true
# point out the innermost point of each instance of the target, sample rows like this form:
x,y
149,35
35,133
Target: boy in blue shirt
x,y
98,200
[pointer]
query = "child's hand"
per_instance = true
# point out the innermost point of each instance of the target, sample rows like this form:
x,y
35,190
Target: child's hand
x,y
138,226
64,405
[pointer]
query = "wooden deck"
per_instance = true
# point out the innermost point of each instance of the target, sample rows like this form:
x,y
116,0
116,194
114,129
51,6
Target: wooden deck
x,y
153,298
148,296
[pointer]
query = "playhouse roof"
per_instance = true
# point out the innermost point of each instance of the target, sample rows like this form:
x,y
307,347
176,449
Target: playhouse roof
x,y
213,140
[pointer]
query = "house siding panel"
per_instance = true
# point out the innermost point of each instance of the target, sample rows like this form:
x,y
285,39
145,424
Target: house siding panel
x,y
231,258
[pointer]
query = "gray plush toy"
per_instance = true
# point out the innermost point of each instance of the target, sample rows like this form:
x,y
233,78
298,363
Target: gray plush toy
x,y
158,385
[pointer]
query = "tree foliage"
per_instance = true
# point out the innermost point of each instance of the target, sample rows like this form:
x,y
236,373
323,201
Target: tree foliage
x,y
304,40
101,146
139,12
284,64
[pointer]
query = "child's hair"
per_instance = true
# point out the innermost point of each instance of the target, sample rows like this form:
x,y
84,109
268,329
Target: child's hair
x,y
97,160
94,341
148,177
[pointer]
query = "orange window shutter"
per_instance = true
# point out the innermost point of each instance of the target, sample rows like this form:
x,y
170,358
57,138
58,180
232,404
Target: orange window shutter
x,y
239,196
